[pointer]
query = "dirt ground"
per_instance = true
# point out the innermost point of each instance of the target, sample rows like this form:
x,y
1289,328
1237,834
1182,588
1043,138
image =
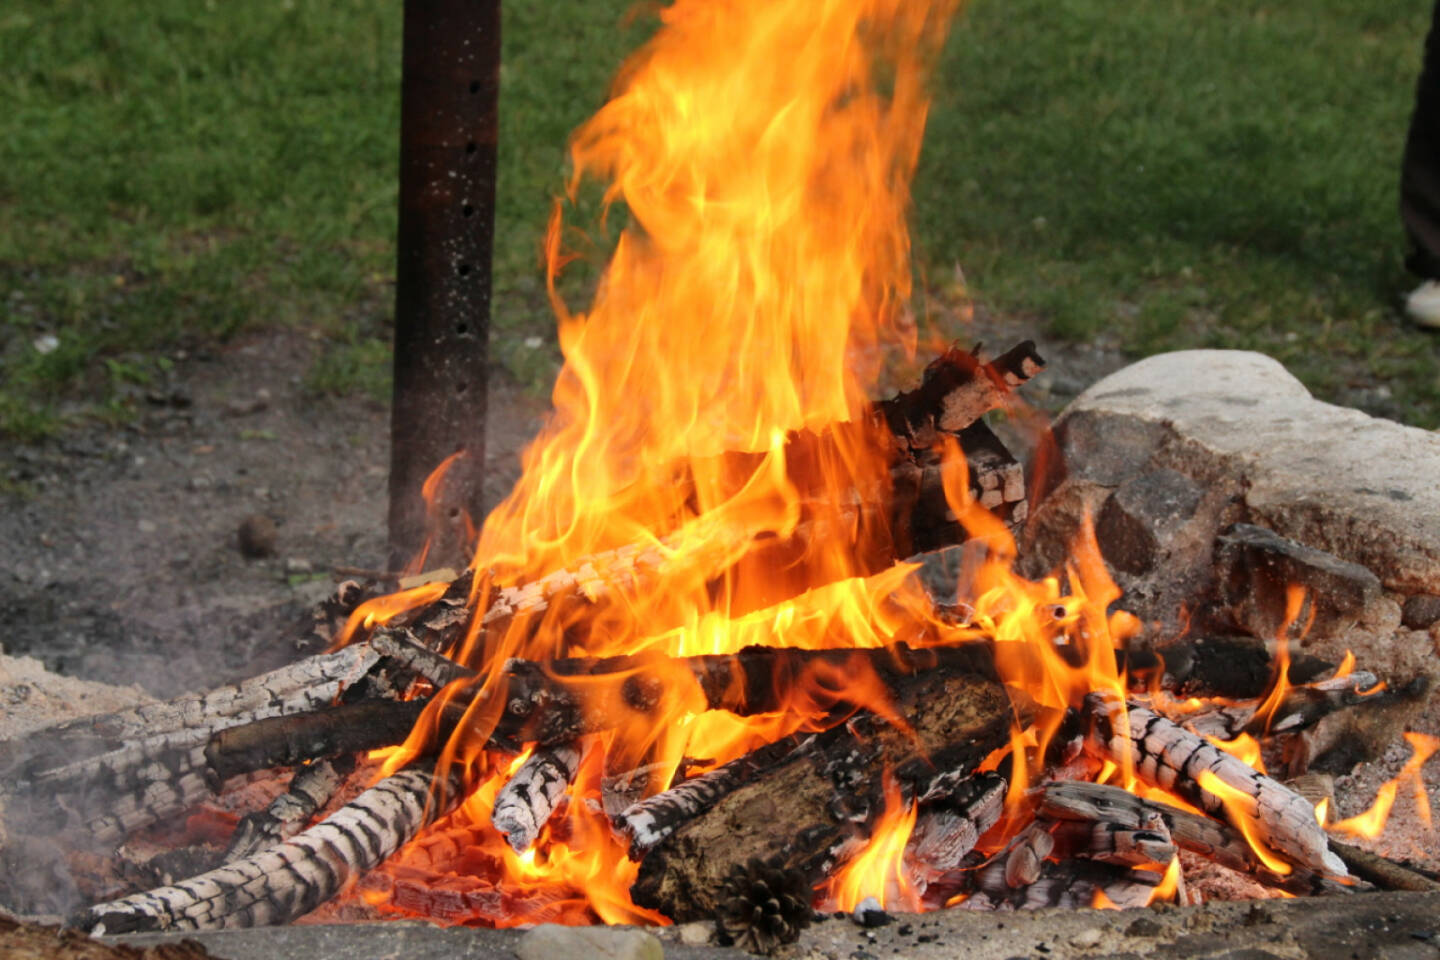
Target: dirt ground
x,y
120,559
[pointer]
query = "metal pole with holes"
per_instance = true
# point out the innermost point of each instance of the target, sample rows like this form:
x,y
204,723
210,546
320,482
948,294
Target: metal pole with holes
x,y
448,126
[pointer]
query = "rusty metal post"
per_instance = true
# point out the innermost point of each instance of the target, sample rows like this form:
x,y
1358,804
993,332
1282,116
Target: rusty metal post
x,y
448,126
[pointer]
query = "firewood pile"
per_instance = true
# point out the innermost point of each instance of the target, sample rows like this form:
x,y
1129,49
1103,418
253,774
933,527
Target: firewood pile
x,y
1000,816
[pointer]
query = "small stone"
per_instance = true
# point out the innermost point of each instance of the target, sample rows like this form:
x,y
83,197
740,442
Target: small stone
x,y
869,913
46,343
552,942
298,565
256,536
694,934
1144,927
147,526
1420,611
1087,938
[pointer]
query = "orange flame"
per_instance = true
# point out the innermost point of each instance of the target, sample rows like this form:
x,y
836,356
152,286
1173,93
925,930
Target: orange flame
x,y
1371,823
879,869
1242,809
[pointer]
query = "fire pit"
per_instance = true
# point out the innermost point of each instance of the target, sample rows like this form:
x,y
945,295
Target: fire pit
x,y
743,645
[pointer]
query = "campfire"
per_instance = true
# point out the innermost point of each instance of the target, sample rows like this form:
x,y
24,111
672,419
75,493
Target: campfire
x,y
744,644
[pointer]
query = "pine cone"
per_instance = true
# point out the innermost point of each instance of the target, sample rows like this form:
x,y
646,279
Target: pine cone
x,y
763,905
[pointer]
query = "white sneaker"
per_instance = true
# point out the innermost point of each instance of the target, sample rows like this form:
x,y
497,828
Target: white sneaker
x,y
1423,304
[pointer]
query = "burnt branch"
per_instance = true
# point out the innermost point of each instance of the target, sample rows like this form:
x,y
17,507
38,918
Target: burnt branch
x,y
526,801
310,789
301,737
1176,759
287,881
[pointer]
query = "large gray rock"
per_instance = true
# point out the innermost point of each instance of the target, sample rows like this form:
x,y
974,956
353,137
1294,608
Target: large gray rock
x,y
1262,451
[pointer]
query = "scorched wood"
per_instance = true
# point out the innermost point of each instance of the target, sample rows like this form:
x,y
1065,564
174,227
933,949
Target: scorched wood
x,y
651,820
310,789
1176,759
113,774
289,880
831,791
301,737
528,798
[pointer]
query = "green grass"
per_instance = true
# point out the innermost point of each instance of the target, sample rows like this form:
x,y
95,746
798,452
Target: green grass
x,y
1160,175
1171,174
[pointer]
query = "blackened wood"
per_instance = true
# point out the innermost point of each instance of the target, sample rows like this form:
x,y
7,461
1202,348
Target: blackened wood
x,y
531,794
1382,871
957,390
298,738
399,647
448,130
287,881
653,819
562,699
1171,757
948,827
1098,803
832,791
310,789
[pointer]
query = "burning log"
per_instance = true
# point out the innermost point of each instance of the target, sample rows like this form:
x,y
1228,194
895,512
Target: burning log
x,y
310,789
289,880
302,737
956,391
1118,809
525,803
1176,759
947,829
400,647
651,820
802,813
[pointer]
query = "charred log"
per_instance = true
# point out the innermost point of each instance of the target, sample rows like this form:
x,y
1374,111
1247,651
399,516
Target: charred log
x,y
526,801
1176,759
302,737
310,789
831,791
653,819
287,881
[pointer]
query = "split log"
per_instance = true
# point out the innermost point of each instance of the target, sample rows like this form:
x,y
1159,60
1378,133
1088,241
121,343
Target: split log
x,y
302,737
1025,855
832,791
1300,708
526,801
287,881
651,820
310,789
1176,759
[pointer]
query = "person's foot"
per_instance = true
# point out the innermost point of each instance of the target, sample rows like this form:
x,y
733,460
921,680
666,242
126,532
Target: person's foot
x,y
1423,304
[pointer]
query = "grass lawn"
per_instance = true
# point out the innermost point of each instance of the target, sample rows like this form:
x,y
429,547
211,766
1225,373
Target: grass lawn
x,y
1214,172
